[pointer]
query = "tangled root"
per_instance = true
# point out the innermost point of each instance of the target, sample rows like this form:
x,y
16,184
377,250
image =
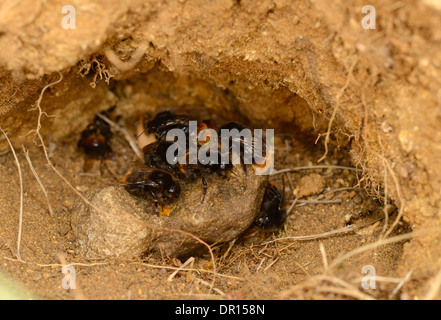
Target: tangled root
x,y
97,67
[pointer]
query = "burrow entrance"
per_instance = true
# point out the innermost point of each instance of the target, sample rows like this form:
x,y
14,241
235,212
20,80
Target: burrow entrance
x,y
322,201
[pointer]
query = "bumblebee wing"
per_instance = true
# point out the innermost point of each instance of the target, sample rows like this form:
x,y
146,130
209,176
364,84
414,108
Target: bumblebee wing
x,y
142,183
139,175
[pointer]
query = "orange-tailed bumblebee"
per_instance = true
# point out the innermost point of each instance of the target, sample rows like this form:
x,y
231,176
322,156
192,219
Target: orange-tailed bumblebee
x,y
95,139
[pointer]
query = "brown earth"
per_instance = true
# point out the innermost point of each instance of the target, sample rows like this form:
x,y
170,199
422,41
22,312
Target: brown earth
x,y
299,68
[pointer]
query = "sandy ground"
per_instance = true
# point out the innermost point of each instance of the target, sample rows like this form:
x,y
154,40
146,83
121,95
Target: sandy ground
x,y
255,266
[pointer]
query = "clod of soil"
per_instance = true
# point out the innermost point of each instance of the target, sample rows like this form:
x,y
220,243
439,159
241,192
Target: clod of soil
x,y
126,226
309,185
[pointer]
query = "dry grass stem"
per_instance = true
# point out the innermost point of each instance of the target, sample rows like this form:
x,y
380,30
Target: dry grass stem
x,y
132,62
313,168
432,293
400,284
351,228
382,242
189,261
334,286
126,135
20,219
271,264
324,256
303,202
291,206
26,152
210,286
260,264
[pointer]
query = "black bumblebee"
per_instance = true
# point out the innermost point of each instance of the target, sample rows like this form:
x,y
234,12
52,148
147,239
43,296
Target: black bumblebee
x,y
95,138
155,156
271,215
247,147
231,126
156,183
166,121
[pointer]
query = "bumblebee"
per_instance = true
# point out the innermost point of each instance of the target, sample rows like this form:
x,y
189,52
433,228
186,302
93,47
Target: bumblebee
x,y
245,143
155,156
159,184
165,121
95,138
271,214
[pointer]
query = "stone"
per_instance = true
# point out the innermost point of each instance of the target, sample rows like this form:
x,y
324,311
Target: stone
x,y
128,226
116,230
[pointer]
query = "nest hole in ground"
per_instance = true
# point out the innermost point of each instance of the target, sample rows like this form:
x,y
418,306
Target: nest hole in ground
x,y
341,197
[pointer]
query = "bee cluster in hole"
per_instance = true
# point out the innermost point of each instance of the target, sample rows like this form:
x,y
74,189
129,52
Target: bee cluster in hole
x,y
95,138
161,180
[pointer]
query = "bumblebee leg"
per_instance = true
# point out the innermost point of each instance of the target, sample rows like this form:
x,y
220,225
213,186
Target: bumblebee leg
x,y
204,192
88,164
102,167
155,197
106,164
242,159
